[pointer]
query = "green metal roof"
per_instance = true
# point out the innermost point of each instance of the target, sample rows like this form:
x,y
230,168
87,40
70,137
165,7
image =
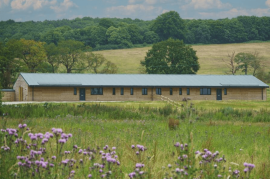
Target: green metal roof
x,y
141,80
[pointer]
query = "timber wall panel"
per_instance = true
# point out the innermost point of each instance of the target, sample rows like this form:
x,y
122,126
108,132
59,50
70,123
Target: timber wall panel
x,y
67,94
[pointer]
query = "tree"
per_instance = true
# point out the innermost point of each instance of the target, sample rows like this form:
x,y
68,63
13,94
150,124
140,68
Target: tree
x,y
119,36
231,63
171,57
151,37
97,63
10,64
70,52
52,56
106,23
32,53
256,64
169,25
244,60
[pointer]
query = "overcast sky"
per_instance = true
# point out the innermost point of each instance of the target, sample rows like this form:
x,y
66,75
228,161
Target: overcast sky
x,y
39,10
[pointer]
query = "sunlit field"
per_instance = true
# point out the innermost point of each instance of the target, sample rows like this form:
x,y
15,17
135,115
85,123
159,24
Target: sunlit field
x,y
210,56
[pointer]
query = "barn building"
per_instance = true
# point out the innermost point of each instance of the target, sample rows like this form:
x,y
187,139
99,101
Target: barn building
x,y
136,87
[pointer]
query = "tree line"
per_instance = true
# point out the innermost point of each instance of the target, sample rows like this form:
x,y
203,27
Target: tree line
x,y
113,33
68,56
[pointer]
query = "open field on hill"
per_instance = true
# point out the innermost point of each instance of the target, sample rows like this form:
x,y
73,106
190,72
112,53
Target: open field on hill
x,y
210,56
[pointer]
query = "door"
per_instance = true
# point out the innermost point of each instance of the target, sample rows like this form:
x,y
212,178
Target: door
x,y
82,94
219,94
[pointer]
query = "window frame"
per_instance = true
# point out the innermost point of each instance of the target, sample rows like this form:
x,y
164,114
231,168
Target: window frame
x,y
188,91
75,91
144,91
122,91
180,91
131,91
225,91
207,90
99,91
171,91
113,91
158,91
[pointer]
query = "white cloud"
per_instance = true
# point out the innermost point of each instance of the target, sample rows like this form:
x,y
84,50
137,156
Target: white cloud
x,y
235,12
35,4
206,4
134,11
151,1
4,2
267,3
143,1
64,6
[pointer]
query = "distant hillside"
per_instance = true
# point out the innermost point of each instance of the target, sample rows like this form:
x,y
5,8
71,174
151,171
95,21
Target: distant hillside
x,y
210,56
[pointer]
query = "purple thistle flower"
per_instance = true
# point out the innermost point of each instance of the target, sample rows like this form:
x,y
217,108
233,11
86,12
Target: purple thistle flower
x,y
51,165
246,170
177,170
169,165
72,172
141,172
219,176
113,148
24,125
20,126
133,146
132,175
100,170
177,144
89,176
80,151
53,157
75,146
62,141
20,163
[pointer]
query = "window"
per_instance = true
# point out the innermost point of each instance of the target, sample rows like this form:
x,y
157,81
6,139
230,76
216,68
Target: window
x,y
96,91
205,91
144,91
225,91
188,91
180,91
122,91
158,91
113,91
75,91
131,91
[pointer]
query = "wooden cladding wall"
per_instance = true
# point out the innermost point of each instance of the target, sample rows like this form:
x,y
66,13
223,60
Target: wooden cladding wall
x,y
67,94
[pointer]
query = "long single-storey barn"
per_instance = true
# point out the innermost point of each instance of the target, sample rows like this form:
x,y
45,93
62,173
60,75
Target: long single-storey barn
x,y
135,87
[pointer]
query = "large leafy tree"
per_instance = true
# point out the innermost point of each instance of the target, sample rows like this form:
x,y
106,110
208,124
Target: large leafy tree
x,y
97,63
32,53
70,53
52,56
171,57
244,60
169,25
10,64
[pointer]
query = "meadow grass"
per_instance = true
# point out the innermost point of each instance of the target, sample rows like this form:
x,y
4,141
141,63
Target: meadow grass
x,y
210,56
239,142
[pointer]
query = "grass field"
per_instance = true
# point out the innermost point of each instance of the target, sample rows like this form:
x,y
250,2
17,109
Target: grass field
x,y
238,142
210,56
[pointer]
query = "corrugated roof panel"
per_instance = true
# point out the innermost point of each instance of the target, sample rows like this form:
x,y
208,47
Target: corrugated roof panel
x,y
47,79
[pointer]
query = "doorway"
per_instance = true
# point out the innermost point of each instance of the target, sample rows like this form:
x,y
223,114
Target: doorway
x,y
82,94
219,94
